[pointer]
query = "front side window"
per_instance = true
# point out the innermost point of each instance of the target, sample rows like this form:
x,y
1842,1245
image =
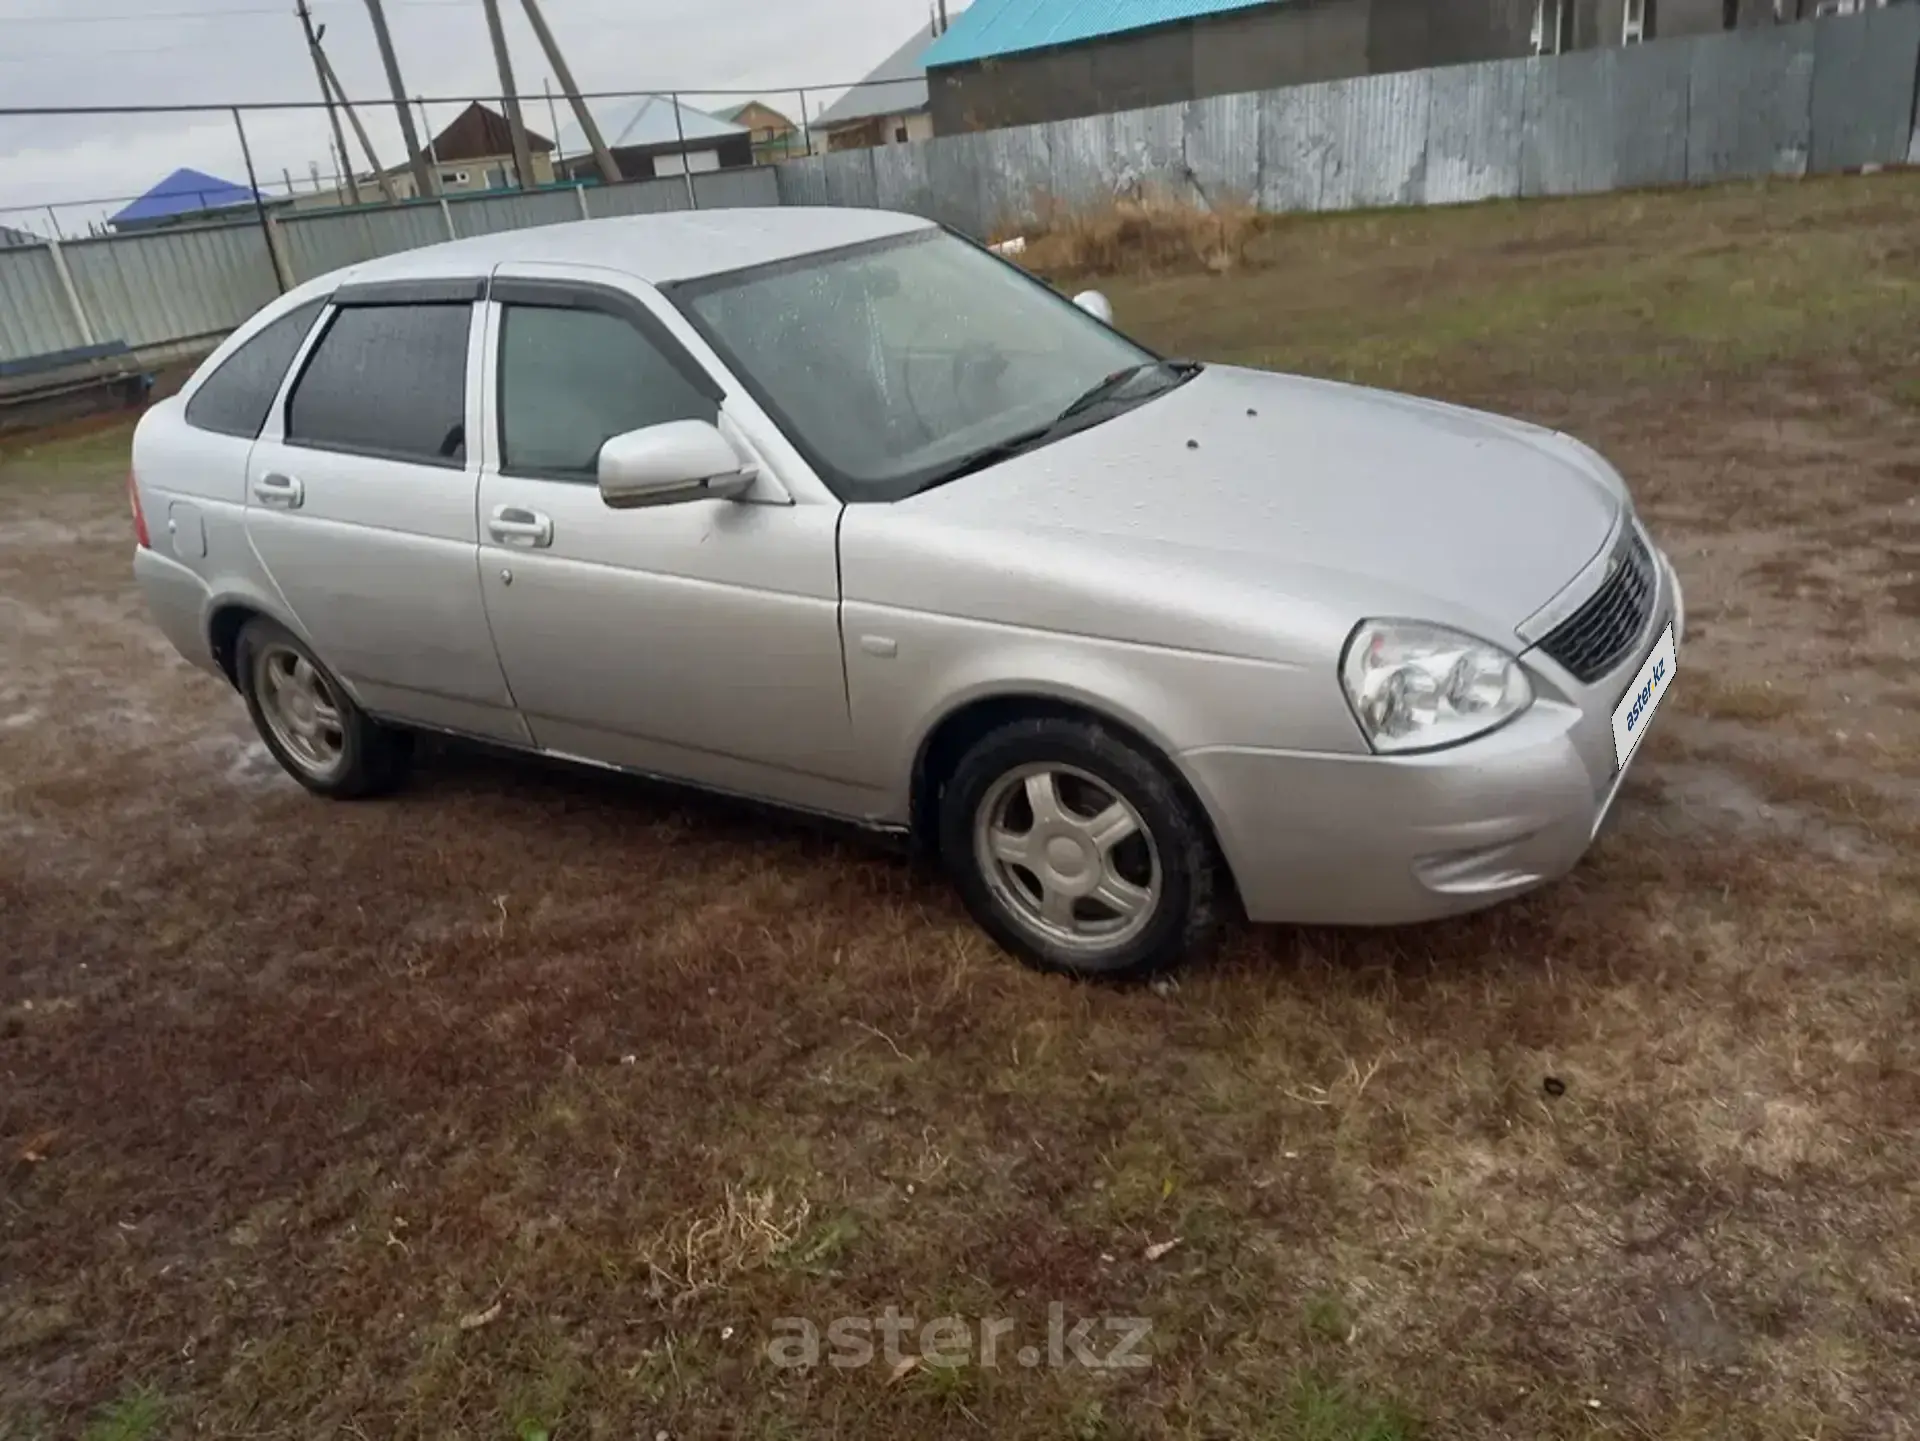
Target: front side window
x,y
572,379
234,400
889,363
387,380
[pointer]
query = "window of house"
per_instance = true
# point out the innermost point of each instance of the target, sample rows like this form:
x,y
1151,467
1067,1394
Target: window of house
x,y
1638,23
900,135
234,400
387,380
1552,26
453,177
570,380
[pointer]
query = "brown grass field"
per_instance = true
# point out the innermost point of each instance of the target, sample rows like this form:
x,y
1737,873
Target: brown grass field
x,y
525,1103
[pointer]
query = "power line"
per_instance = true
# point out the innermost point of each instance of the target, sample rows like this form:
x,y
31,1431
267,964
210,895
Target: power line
x,y
207,106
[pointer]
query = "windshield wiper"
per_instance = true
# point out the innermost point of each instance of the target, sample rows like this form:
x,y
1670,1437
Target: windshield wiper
x,y
1113,384
1087,400
989,455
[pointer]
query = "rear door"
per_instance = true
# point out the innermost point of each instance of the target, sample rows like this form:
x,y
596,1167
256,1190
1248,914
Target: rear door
x,y
360,503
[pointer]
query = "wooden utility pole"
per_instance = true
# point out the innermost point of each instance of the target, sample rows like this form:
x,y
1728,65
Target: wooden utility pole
x,y
516,126
553,122
380,176
602,157
423,177
326,92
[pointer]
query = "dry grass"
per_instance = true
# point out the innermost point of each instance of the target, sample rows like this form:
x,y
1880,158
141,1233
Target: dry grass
x,y
1140,235
525,1103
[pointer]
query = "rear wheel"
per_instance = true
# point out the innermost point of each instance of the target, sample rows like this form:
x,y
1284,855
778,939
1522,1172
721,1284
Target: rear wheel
x,y
1077,852
309,722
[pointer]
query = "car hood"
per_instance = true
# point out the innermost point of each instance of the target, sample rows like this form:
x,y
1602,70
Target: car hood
x,y
1334,501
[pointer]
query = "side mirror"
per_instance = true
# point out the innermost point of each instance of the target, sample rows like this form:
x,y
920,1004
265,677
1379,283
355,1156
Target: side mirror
x,y
1096,305
666,464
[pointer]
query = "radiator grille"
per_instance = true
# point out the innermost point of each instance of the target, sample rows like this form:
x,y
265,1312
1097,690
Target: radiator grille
x,y
1596,637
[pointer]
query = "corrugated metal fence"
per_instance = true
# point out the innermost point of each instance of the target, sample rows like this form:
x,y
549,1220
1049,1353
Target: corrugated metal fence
x,y
1787,100
171,287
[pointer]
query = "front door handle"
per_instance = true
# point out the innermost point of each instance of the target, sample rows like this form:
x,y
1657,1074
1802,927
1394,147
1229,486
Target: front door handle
x,y
514,525
280,490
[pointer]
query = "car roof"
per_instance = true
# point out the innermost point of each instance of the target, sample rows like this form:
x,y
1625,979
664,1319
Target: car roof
x,y
679,245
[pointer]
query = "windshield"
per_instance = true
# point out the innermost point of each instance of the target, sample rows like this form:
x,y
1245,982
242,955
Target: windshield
x,y
888,363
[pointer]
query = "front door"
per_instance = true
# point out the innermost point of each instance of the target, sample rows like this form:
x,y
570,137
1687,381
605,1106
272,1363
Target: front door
x,y
698,641
360,496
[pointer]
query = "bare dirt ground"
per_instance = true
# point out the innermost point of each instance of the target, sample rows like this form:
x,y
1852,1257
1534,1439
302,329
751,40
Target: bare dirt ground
x,y
525,1103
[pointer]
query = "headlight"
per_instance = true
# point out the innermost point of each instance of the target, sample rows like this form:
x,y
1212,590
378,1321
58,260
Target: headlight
x,y
1417,687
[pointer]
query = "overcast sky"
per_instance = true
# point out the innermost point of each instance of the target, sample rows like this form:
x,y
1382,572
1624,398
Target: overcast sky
x,y
125,52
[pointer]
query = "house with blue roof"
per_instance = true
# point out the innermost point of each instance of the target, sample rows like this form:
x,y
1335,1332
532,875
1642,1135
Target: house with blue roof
x,y
1025,62
186,197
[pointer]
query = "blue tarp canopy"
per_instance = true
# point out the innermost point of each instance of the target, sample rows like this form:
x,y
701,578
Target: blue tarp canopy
x,y
183,193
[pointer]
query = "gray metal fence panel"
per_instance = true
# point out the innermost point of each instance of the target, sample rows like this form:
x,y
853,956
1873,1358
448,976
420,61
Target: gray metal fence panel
x,y
35,318
1223,146
850,178
1751,103
1014,169
740,186
326,240
1569,137
1295,141
171,284
803,181
1076,151
1863,88
491,214
637,197
900,179
954,166
1146,151
1649,85
1380,141
1475,121
1345,143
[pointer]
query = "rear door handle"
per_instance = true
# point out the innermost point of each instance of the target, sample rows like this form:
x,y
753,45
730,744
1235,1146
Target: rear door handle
x,y
513,525
279,490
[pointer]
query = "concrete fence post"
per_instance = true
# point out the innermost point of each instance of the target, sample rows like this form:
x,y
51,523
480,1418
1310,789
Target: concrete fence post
x,y
446,218
73,296
580,194
277,254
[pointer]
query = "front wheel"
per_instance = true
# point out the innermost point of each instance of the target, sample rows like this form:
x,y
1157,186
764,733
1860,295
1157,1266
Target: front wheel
x,y
309,722
1075,850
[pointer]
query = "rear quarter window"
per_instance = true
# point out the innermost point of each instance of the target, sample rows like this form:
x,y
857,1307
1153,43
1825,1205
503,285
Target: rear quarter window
x,y
234,400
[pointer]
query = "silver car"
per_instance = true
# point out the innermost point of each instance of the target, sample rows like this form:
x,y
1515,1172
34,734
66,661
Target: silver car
x,y
837,510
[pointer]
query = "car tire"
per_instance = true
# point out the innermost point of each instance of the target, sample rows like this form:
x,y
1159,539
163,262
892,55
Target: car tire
x,y
310,723
1131,896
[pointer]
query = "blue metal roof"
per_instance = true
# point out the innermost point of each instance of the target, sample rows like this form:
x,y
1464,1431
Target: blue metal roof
x,y
183,193
1000,27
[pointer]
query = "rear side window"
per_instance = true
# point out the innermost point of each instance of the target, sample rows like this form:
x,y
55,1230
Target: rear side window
x,y
570,380
387,380
234,400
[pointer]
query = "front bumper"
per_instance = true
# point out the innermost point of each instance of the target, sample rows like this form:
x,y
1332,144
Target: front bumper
x,y
1385,840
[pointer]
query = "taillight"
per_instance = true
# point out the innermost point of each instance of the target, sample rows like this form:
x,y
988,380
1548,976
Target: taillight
x,y
139,516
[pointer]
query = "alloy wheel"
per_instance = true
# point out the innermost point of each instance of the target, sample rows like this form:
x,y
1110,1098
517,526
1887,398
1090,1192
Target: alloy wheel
x,y
1067,857
300,709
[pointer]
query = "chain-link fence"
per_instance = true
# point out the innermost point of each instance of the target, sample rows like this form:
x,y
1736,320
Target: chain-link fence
x,y
287,151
